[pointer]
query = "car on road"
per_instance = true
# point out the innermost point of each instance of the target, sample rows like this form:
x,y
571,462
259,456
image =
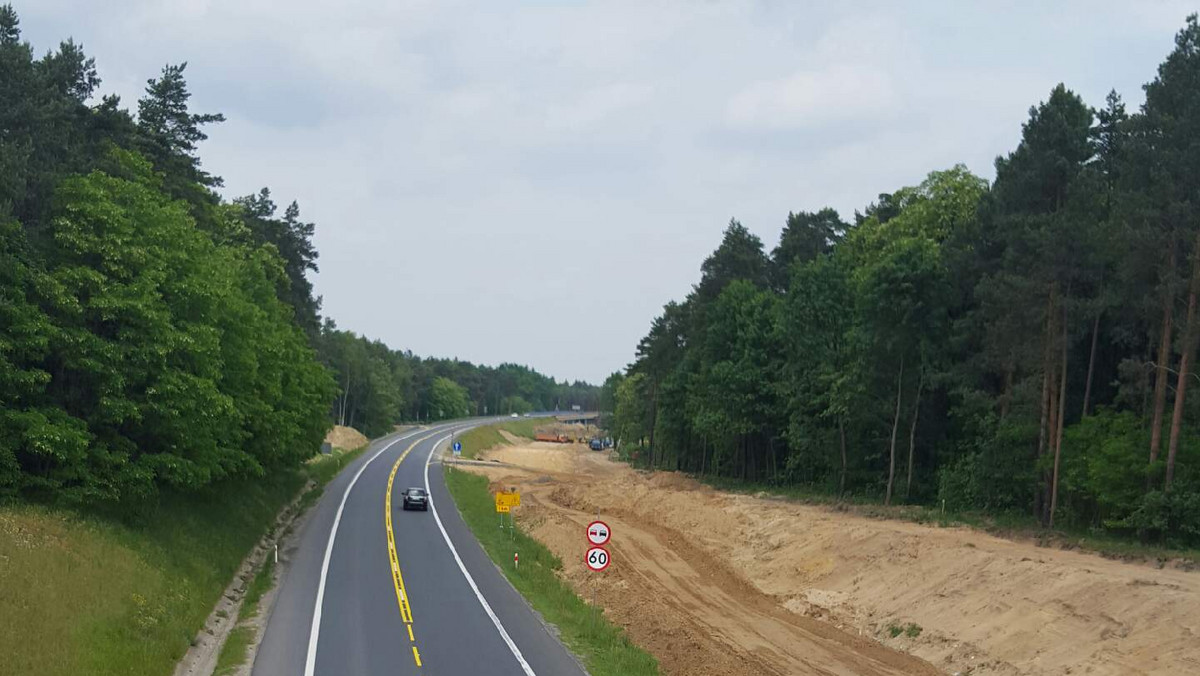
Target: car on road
x,y
514,415
416,498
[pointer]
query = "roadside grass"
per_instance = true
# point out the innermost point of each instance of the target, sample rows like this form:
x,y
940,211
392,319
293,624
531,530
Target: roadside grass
x,y
479,439
237,646
1005,524
88,593
323,468
603,647
234,652
125,593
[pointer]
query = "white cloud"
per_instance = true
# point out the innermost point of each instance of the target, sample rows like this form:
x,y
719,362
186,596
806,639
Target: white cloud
x,y
812,98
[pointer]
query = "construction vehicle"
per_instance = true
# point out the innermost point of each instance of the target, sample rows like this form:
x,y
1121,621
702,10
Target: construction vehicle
x,y
553,438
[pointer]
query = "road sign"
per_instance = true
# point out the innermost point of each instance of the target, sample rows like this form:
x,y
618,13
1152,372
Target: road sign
x,y
512,499
503,509
597,558
598,533
457,448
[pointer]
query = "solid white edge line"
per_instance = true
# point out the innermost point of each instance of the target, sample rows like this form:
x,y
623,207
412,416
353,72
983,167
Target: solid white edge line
x,y
310,663
470,580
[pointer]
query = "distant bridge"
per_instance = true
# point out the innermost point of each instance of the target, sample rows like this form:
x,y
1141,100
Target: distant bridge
x,y
579,417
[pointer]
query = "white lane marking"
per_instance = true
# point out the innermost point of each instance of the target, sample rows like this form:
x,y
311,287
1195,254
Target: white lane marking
x,y
470,580
314,633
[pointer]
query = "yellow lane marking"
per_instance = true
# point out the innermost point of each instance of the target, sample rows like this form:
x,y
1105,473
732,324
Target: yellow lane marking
x,y
397,578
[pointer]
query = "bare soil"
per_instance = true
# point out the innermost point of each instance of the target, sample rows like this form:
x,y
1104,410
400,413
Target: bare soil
x,y
718,583
346,438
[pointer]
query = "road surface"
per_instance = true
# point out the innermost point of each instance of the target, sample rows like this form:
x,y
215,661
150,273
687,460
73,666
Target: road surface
x,y
438,607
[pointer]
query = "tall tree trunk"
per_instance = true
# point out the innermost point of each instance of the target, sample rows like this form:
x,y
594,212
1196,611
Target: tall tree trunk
x,y
1164,358
774,461
1006,398
912,435
842,438
345,396
1185,363
653,418
895,426
1039,501
1087,388
1062,400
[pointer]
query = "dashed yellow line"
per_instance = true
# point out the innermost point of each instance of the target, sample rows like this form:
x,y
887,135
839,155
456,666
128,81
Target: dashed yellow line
x,y
397,578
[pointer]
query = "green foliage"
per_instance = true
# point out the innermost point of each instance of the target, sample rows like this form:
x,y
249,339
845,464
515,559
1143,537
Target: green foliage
x,y
381,387
448,399
944,332
143,345
170,361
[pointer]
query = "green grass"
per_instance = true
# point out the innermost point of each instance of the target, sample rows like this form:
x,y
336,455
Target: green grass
x,y
234,652
603,647
324,467
237,646
1004,524
479,439
91,592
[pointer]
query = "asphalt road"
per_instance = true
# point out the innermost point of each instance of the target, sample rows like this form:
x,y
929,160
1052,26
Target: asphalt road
x,y
442,609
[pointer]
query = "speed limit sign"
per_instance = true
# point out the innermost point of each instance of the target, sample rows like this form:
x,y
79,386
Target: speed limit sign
x,y
597,558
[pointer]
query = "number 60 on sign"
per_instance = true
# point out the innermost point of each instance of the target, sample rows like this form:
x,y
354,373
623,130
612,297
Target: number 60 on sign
x,y
597,558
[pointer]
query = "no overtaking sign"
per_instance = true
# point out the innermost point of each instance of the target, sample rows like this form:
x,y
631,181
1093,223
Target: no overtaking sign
x,y
598,533
597,557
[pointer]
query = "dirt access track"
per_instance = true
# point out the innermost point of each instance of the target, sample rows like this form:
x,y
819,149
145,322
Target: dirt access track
x,y
717,583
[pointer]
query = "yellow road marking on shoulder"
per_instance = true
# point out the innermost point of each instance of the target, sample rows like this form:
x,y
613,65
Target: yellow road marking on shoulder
x,y
397,578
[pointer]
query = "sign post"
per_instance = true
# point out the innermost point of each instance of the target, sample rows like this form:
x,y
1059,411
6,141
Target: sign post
x,y
505,501
597,558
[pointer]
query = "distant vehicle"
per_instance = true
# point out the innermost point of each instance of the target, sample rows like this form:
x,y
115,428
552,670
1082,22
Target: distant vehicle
x,y
416,498
555,438
596,445
526,415
515,415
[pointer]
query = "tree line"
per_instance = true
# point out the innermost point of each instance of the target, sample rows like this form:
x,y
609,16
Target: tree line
x,y
1021,346
380,386
156,336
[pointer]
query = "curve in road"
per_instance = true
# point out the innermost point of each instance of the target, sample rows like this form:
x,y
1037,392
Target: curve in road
x,y
372,589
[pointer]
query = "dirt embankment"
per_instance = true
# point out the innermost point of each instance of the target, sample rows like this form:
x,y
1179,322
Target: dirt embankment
x,y
346,438
714,583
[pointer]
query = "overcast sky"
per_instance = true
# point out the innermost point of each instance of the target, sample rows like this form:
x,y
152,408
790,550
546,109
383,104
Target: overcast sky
x,y
532,181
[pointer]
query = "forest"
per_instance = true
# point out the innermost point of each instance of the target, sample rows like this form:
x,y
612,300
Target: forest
x,y
1023,346
157,336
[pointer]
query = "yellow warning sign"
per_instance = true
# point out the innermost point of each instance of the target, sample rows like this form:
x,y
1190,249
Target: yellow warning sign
x,y
507,500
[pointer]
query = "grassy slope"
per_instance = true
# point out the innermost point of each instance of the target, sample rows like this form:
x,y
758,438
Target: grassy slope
x,y
85,593
604,648
481,439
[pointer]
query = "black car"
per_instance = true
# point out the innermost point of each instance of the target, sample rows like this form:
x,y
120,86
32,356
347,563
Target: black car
x,y
416,498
